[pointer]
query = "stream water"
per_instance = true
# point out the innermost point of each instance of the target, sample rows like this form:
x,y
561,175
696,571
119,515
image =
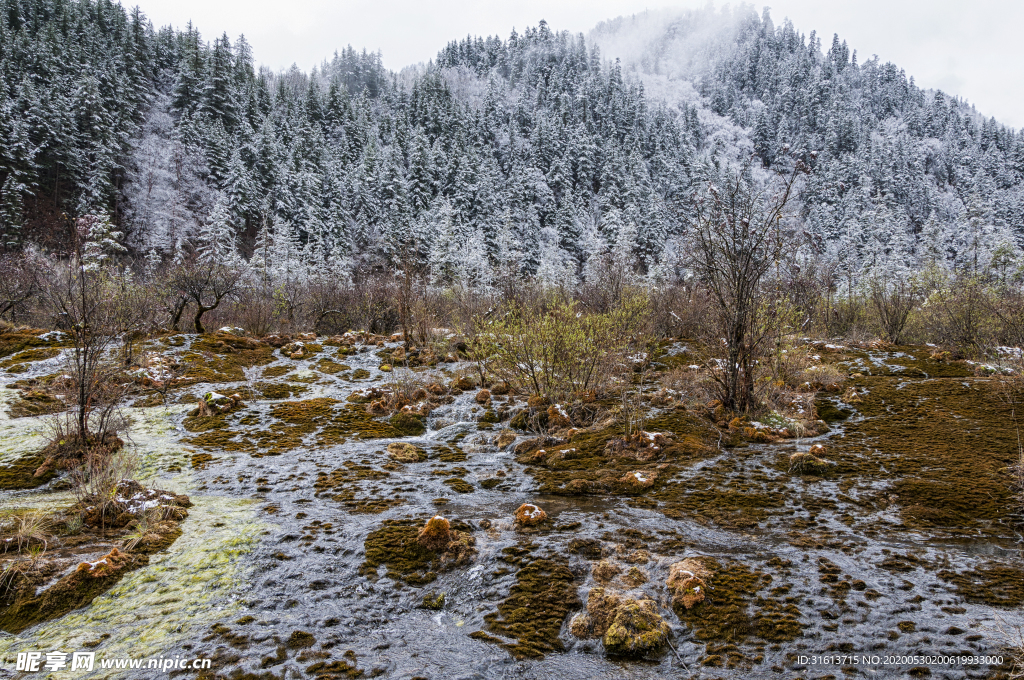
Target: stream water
x,y
264,555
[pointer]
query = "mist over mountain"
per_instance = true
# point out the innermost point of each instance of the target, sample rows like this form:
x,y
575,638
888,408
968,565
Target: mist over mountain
x,y
536,154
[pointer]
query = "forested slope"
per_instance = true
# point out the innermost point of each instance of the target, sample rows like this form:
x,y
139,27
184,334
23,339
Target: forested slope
x,y
531,154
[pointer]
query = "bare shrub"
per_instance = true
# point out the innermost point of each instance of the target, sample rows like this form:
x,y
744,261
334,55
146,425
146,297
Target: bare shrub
x,y
694,384
95,481
893,299
98,306
256,311
680,311
19,283
958,315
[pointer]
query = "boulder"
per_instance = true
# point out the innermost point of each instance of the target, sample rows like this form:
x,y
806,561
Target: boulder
x,y
436,534
528,515
504,438
688,581
606,570
602,605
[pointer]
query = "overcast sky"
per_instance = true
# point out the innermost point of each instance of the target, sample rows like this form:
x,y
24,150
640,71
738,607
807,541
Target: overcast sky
x,y
970,49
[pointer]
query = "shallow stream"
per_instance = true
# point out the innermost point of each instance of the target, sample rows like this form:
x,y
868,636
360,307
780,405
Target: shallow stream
x,y
266,553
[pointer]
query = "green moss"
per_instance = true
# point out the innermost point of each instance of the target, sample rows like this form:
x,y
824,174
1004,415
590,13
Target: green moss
x,y
13,342
206,423
941,445
830,413
394,546
201,460
328,421
300,639
450,454
34,402
408,424
276,371
29,355
342,485
995,585
459,485
333,670
21,473
433,600
535,609
280,390
221,358
582,465
731,615
331,367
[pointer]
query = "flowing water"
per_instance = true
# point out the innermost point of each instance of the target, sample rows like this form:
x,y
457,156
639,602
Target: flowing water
x,y
264,554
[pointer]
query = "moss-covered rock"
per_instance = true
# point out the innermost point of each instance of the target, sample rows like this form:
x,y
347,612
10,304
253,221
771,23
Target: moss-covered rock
x,y
406,453
687,581
408,424
534,611
637,630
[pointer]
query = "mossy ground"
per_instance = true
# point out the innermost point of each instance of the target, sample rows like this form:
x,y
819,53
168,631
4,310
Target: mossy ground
x,y
582,466
21,473
732,614
941,445
220,357
536,607
995,585
342,486
322,421
38,590
13,342
394,546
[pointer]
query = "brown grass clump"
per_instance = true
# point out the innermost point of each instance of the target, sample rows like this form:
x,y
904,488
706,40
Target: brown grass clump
x,y
110,563
807,463
638,480
528,515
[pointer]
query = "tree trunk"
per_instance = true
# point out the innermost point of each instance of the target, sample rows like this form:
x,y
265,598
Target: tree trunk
x,y
200,310
178,310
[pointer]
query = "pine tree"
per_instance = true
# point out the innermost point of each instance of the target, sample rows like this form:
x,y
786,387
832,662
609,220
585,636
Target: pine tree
x,y
216,240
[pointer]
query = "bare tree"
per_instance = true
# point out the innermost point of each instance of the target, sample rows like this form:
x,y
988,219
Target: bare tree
x,y
206,284
95,310
893,298
19,282
737,237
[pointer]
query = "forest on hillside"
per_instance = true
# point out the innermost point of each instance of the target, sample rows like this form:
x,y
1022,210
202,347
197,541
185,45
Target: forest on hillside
x,y
531,155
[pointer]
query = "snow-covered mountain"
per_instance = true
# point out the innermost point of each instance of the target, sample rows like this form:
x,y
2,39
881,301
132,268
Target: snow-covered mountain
x,y
534,153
